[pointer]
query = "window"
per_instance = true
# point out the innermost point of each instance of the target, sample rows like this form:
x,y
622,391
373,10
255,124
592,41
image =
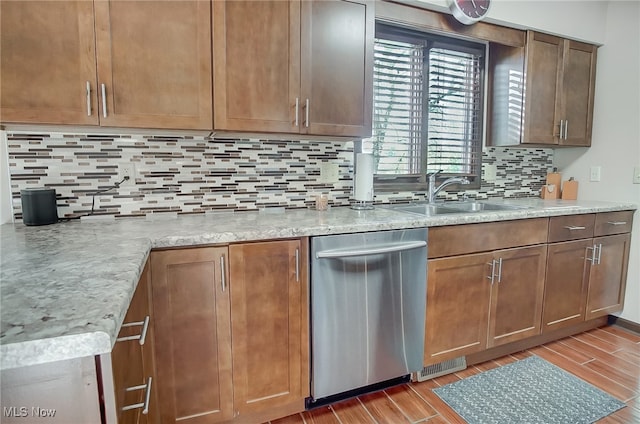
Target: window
x,y
428,108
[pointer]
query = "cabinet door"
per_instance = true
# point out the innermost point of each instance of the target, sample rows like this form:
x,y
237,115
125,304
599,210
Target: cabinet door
x,y
458,294
566,284
269,325
193,337
517,293
607,281
256,47
47,65
154,60
337,67
127,357
542,103
578,82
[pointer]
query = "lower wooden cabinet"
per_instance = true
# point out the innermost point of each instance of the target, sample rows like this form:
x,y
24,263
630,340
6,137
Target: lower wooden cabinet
x,y
269,326
608,276
483,300
586,278
566,286
516,298
193,353
232,326
132,360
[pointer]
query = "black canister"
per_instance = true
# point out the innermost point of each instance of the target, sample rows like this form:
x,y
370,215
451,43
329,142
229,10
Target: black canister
x,y
39,206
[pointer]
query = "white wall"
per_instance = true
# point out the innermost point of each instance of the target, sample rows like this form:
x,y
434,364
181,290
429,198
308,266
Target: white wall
x,y
6,214
578,19
616,131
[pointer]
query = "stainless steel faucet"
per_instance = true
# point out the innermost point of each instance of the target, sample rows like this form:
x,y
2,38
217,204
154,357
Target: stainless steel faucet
x,y
433,191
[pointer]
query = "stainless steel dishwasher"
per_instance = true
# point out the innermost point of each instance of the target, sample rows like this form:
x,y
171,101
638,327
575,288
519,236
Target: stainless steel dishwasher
x,y
368,297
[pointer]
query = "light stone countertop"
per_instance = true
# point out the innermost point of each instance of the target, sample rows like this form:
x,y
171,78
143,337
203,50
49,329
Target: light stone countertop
x,y
65,288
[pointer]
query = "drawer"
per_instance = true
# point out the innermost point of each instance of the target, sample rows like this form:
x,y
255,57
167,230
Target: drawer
x,y
571,227
468,238
613,223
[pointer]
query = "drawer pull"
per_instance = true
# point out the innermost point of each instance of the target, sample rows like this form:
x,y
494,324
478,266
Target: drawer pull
x,y
223,274
617,222
493,276
147,397
574,227
297,265
143,334
88,98
104,100
596,257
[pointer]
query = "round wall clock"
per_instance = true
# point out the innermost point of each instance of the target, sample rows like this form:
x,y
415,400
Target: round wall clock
x,y
469,11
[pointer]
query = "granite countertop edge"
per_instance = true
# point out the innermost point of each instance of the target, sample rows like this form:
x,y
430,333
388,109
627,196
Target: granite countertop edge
x,y
48,269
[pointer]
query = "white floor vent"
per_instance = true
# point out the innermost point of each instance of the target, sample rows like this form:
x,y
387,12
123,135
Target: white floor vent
x,y
446,367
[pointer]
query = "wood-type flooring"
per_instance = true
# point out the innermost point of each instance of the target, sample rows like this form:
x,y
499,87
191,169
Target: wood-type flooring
x,y
607,357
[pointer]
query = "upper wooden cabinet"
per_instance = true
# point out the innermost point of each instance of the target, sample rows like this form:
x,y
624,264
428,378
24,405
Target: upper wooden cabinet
x,y
302,67
47,62
542,94
153,63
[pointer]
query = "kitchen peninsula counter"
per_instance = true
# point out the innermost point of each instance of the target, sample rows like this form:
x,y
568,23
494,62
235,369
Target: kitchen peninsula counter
x,y
65,288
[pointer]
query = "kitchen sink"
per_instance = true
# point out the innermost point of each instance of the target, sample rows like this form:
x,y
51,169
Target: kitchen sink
x,y
426,209
432,209
483,206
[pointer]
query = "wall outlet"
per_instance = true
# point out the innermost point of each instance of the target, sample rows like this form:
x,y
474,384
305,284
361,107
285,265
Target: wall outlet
x,y
595,173
329,173
490,172
127,169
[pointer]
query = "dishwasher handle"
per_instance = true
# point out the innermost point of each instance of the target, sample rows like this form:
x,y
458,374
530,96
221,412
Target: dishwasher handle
x,y
390,248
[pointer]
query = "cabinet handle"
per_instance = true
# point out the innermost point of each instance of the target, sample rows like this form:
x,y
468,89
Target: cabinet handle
x,y
561,129
147,397
566,128
593,259
306,114
297,265
617,222
493,270
223,274
599,253
104,100
88,98
574,227
500,270
143,334
297,105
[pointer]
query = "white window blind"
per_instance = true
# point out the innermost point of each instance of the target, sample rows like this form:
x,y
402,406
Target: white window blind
x,y
428,107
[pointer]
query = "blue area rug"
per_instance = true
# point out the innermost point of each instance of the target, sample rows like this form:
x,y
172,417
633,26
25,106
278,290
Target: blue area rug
x,y
528,391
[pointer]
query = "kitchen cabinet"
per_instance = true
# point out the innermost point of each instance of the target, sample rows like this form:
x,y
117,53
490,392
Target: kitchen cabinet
x,y
269,325
481,300
193,324
132,360
232,331
47,65
586,267
306,67
147,64
542,94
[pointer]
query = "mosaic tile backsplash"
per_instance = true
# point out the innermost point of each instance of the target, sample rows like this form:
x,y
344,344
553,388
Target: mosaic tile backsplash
x,y
197,174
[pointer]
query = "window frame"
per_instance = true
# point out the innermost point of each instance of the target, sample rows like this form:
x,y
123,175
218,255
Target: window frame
x,y
418,182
